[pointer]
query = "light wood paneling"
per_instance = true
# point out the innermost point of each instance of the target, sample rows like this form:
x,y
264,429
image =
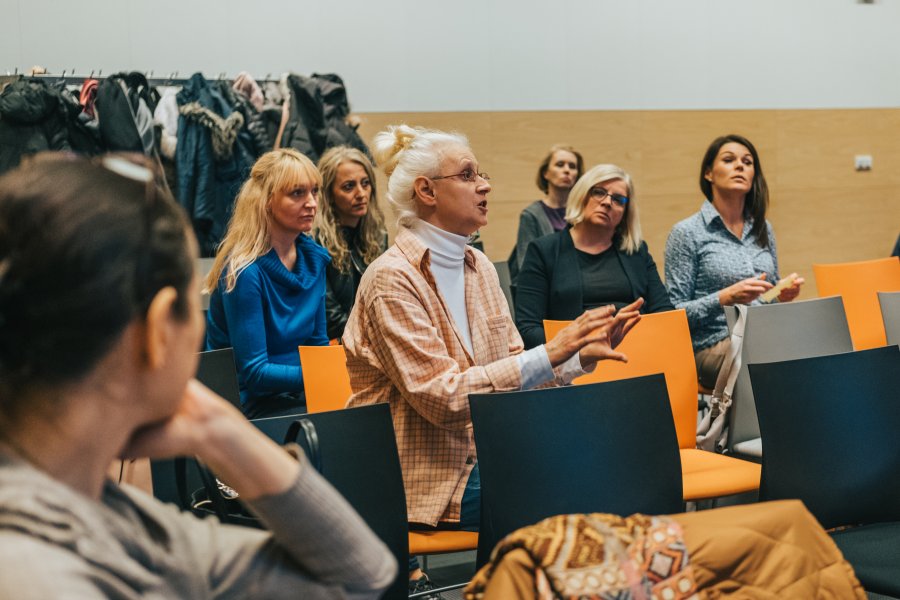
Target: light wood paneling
x,y
822,210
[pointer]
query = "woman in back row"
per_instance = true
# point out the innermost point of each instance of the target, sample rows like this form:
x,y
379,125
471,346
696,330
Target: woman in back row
x,y
350,225
599,259
724,254
556,175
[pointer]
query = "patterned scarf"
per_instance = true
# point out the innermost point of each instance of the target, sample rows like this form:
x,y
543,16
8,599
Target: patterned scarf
x,y
600,556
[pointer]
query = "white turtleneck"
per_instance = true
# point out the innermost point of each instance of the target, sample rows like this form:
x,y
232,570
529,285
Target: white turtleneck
x,y
448,253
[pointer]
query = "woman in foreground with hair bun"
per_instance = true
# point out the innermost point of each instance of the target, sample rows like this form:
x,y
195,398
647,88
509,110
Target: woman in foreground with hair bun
x,y
431,326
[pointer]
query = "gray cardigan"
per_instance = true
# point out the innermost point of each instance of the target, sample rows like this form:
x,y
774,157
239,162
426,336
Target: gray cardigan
x,y
58,543
533,224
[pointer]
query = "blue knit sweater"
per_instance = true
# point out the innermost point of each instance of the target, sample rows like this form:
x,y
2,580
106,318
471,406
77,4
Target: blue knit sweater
x,y
267,315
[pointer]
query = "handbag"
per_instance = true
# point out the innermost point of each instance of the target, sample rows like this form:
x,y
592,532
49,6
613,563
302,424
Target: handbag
x,y
217,498
712,432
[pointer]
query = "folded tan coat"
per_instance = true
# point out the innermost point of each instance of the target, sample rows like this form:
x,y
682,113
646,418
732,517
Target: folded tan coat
x,y
761,551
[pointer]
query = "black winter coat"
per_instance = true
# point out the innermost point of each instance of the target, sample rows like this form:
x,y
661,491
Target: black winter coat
x,y
316,122
32,119
340,288
125,104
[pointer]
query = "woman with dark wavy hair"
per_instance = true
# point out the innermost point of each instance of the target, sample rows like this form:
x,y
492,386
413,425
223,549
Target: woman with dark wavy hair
x,y
350,225
100,322
725,253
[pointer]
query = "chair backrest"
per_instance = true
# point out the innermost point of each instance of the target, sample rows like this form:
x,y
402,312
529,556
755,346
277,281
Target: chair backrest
x,y
782,331
890,313
858,283
660,343
203,267
358,453
502,268
217,371
607,447
325,377
829,434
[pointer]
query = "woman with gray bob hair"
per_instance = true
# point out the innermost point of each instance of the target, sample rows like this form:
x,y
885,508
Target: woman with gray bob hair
x,y
597,260
628,228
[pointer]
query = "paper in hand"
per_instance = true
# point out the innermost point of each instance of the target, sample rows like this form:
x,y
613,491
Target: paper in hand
x,y
777,288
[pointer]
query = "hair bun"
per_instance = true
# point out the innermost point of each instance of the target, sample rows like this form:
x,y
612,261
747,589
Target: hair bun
x,y
391,142
404,138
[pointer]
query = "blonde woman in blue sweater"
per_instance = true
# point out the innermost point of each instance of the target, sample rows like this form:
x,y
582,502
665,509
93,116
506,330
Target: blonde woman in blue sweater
x,y
268,283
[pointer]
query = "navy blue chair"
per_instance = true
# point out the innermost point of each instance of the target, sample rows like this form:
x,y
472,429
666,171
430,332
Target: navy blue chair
x,y
830,431
605,447
215,370
356,451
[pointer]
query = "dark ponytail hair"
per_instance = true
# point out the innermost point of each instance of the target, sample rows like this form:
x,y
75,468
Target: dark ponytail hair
x,y
85,245
757,201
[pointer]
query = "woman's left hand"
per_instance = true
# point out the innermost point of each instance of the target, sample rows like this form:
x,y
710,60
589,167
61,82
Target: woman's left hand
x,y
793,290
184,432
208,427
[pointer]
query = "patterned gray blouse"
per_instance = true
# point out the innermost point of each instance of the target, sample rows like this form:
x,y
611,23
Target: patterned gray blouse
x,y
703,257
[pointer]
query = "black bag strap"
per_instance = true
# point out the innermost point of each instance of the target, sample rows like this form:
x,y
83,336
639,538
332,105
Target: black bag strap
x,y
220,507
184,499
312,440
210,485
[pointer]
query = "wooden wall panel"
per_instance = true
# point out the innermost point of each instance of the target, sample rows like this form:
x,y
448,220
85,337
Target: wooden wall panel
x,y
822,210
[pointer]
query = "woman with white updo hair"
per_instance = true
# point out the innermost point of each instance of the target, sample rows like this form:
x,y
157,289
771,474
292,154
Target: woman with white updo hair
x,y
431,326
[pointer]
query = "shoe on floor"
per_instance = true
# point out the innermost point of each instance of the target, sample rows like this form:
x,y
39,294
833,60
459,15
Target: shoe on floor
x,y
423,584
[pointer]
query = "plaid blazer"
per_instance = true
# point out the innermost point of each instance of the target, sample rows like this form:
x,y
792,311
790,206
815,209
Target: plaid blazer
x,y
403,348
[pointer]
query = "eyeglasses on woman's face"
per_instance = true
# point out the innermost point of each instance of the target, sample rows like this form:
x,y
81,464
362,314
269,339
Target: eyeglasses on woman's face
x,y
468,175
599,193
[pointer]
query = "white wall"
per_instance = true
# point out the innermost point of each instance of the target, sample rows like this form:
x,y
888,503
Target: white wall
x,y
429,55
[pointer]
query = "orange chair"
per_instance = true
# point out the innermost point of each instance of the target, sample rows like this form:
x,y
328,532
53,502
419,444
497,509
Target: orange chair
x,y
661,343
325,377
859,283
327,385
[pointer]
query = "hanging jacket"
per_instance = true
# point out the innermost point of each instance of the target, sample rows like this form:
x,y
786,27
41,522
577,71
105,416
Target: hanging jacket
x,y
257,133
317,116
125,103
212,160
88,96
305,129
82,130
336,108
32,119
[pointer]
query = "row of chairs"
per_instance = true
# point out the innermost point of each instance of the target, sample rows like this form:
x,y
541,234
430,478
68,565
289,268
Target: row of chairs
x,y
358,452
859,284
829,428
703,475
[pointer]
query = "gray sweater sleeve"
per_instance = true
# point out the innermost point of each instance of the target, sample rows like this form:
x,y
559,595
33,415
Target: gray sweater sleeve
x,y
56,543
318,544
529,230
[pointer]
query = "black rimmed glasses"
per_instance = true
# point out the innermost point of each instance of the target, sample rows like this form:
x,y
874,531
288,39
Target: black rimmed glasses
x,y
469,176
600,193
